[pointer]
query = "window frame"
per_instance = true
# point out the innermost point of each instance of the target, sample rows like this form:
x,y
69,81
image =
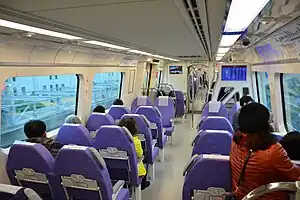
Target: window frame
x,y
121,85
283,103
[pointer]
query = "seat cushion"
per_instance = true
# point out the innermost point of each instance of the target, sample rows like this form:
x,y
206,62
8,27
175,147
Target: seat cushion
x,y
169,130
123,194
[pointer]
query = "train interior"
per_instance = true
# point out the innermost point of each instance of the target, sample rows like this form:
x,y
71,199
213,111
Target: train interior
x,y
179,66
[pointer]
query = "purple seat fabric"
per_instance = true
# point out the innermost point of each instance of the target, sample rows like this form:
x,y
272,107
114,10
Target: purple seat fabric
x,y
212,142
144,128
96,120
180,105
156,127
140,101
74,134
207,171
215,108
34,158
80,163
215,123
118,138
233,110
165,105
117,112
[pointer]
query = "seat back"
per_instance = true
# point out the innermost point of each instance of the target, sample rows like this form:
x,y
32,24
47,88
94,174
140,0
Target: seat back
x,y
215,108
165,105
206,172
154,118
74,134
9,192
215,123
233,110
180,106
144,129
212,142
29,162
96,120
140,101
83,173
115,145
117,112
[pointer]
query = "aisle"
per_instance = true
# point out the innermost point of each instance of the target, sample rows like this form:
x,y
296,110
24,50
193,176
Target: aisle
x,y
169,180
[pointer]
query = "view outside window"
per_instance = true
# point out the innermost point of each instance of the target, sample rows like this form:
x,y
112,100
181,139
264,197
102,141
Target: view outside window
x,y
106,88
264,89
48,98
291,89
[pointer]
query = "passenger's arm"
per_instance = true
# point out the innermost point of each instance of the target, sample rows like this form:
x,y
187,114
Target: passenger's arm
x,y
138,147
283,165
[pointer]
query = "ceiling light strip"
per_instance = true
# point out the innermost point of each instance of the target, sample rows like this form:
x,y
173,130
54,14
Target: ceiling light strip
x,y
104,44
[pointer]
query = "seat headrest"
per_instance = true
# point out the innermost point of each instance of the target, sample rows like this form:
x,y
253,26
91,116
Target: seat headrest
x,y
141,100
24,143
71,124
75,147
96,113
163,101
217,131
214,106
215,157
215,117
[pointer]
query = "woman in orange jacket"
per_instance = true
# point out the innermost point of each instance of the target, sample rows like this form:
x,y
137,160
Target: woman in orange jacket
x,y
264,159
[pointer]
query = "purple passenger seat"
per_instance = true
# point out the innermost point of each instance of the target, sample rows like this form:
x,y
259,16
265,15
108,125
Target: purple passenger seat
x,y
84,175
153,116
116,146
214,108
165,105
96,120
143,126
233,110
212,142
29,162
74,134
9,192
117,112
215,123
206,175
140,101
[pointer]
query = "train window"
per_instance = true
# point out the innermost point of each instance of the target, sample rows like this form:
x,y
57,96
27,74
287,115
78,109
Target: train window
x,y
106,88
263,89
35,101
290,84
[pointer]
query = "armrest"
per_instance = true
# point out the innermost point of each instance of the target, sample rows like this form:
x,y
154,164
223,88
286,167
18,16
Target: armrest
x,y
117,188
141,137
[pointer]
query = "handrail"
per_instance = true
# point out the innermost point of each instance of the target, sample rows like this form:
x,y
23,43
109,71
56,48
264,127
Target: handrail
x,y
272,187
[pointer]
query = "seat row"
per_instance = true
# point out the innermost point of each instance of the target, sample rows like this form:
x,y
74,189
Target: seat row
x,y
77,173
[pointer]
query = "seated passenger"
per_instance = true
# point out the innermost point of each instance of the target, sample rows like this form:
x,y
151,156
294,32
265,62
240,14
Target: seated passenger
x,y
35,130
256,151
130,124
291,143
99,109
243,101
118,102
73,119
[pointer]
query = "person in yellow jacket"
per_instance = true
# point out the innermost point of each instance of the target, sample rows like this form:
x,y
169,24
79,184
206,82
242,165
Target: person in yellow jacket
x,y
130,124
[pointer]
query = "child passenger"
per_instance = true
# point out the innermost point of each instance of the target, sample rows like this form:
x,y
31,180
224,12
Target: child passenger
x,y
130,124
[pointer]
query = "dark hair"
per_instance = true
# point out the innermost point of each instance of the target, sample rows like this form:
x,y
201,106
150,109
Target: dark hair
x,y
291,143
254,121
118,102
245,100
130,124
34,128
99,109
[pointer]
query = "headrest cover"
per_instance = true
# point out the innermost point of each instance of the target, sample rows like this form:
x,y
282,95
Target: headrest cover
x,y
24,143
214,106
217,131
141,100
71,124
74,147
216,117
215,156
163,101
117,106
95,113
128,134
97,155
146,107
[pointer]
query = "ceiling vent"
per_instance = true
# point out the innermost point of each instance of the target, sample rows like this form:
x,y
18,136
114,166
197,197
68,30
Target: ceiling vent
x,y
194,15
